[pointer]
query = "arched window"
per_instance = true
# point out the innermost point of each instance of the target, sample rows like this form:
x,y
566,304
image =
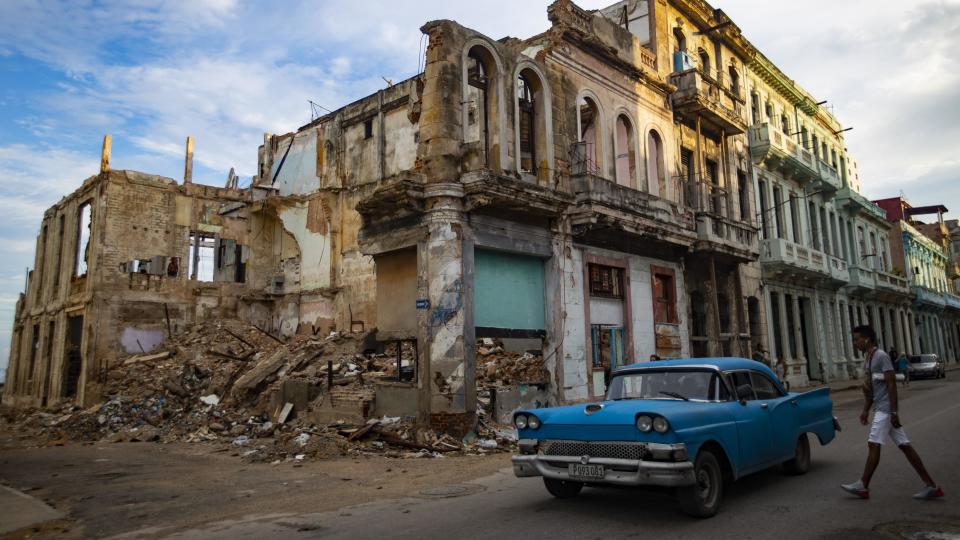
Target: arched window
x,y
815,146
589,118
655,169
476,101
805,137
528,124
755,107
704,61
768,110
681,40
734,80
624,148
785,123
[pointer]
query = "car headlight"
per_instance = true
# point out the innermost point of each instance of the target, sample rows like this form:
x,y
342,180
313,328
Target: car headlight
x,y
644,423
520,421
660,424
533,422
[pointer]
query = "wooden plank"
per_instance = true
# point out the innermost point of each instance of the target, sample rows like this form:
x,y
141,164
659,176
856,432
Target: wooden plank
x,y
264,368
284,412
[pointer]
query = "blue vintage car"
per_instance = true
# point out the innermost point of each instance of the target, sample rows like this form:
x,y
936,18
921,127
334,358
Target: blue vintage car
x,y
690,424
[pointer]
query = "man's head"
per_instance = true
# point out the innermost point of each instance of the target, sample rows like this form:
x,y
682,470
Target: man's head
x,y
864,337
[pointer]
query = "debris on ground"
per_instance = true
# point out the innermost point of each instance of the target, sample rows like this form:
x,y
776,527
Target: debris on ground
x,y
230,383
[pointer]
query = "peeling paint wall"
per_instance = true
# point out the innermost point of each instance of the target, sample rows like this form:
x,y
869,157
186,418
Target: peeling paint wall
x,y
314,248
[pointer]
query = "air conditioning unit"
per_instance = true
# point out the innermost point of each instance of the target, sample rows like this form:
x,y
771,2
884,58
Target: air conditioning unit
x,y
682,61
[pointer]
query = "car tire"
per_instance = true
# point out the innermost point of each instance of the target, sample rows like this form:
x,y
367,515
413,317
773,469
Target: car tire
x,y
562,489
702,499
800,464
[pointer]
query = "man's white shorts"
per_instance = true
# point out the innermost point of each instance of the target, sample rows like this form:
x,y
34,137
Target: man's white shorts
x,y
882,428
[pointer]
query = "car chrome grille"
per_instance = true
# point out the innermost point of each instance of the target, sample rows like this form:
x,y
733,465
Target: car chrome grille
x,y
617,450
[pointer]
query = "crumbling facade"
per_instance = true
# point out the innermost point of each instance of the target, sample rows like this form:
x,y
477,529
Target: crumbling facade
x,y
121,263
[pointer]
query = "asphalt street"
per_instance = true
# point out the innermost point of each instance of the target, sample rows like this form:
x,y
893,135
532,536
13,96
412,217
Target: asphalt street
x,y
769,504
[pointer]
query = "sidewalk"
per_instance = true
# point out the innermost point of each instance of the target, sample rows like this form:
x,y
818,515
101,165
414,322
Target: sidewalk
x,y
19,510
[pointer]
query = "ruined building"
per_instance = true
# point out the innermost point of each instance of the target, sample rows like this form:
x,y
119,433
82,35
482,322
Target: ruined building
x,y
594,194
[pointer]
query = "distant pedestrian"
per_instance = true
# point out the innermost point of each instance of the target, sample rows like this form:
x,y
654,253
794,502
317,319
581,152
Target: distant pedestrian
x,y
880,394
781,371
760,355
903,366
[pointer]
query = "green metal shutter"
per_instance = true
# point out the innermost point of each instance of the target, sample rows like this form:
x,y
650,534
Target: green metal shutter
x,y
508,291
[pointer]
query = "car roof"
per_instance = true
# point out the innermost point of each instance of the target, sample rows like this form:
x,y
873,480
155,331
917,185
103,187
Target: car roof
x,y
724,363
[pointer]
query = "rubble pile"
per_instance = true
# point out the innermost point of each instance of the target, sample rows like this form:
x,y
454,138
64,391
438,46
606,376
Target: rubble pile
x,y
495,366
230,383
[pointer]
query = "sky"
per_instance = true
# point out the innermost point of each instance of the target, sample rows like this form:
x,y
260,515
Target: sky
x,y
152,72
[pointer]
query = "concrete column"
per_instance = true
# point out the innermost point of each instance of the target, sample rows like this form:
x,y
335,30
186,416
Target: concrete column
x,y
105,154
769,315
798,335
188,162
784,329
445,267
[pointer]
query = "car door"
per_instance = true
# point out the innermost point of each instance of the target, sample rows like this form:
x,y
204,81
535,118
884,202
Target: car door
x,y
782,410
753,427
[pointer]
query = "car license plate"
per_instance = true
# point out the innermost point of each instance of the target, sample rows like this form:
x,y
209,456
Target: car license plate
x,y
578,471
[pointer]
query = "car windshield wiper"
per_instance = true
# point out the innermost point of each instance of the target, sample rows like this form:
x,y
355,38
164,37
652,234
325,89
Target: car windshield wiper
x,y
674,394
623,398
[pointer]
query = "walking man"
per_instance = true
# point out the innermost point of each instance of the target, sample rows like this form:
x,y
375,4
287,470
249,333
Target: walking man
x,y
880,393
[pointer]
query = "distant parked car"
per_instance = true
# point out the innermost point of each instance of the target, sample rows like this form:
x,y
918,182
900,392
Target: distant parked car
x,y
690,424
927,365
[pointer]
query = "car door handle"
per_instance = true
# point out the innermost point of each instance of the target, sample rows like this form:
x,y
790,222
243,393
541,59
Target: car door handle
x,y
764,406
793,402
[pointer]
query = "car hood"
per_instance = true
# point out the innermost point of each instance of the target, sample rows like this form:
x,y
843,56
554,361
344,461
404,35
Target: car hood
x,y
625,412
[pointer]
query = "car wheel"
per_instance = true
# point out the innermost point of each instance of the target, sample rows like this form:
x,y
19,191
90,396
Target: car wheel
x,y
800,464
702,499
562,489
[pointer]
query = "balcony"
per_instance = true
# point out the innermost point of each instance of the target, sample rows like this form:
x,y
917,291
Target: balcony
x,y
862,280
855,203
608,214
704,95
717,233
777,150
829,181
787,261
893,283
929,298
839,271
952,301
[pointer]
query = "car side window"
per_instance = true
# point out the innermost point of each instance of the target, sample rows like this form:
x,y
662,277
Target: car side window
x,y
741,378
763,386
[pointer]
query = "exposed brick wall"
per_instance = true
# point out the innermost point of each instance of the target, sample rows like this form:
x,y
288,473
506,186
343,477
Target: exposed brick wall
x,y
455,424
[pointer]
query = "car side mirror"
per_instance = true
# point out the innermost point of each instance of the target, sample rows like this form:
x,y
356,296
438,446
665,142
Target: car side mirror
x,y
744,392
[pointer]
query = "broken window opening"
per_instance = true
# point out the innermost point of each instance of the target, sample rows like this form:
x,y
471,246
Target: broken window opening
x,y
42,256
626,157
83,241
34,349
589,114
655,163
57,261
478,117
73,357
606,281
367,128
528,142
202,254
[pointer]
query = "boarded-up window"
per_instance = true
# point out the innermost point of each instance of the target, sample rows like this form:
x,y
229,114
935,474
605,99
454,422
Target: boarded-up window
x,y
606,281
664,296
509,293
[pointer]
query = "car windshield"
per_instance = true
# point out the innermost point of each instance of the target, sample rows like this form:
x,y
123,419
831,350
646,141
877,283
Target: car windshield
x,y
693,385
923,358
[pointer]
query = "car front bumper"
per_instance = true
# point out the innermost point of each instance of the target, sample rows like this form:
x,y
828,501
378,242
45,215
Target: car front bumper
x,y
621,472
